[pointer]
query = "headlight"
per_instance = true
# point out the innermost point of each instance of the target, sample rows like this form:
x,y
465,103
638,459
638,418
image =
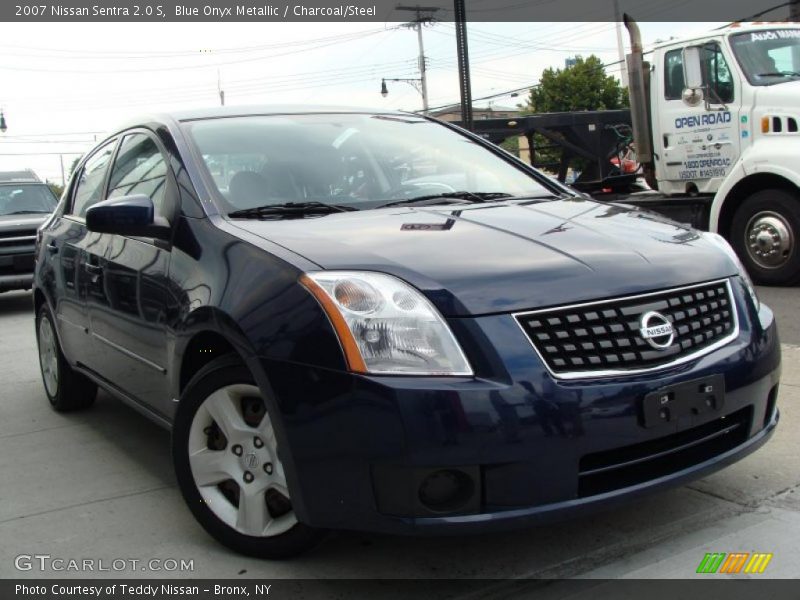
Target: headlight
x,y
723,244
385,325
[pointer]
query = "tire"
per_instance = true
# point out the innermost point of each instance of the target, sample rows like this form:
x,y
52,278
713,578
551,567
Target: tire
x,y
766,235
220,421
66,389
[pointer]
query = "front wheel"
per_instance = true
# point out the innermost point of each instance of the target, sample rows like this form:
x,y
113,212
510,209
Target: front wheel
x,y
765,233
66,389
228,465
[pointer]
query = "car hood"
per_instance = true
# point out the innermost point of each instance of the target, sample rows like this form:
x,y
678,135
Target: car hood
x,y
505,257
23,222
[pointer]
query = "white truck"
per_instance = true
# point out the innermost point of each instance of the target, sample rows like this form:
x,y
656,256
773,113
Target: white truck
x,y
716,116
715,122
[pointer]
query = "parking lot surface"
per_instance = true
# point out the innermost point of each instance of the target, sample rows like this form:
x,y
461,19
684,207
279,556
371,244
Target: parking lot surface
x,y
99,485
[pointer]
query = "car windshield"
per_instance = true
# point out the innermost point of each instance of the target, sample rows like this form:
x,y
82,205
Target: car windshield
x,y
768,56
23,198
356,160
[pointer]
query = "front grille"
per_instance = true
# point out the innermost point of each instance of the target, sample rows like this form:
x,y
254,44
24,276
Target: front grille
x,y
19,233
604,338
630,465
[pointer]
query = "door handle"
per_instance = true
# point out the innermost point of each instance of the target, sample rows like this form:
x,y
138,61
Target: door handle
x,y
52,248
92,268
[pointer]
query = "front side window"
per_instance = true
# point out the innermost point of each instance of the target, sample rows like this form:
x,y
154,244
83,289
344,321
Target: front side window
x,y
354,159
89,189
139,168
768,56
25,198
673,75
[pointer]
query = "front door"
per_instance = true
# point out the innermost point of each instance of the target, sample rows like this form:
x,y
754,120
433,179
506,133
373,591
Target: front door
x,y
700,144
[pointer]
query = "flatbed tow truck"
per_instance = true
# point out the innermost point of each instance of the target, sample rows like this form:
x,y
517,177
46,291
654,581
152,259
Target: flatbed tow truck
x,y
713,125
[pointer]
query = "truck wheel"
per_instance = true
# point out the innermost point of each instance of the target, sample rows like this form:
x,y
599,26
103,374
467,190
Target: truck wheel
x,y
228,466
765,233
65,388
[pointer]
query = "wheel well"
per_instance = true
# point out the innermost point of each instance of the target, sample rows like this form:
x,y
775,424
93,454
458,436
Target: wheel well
x,y
201,350
743,189
38,300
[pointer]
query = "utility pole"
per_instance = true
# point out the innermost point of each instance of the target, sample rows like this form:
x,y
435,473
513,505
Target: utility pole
x,y
417,23
220,90
623,74
794,10
63,178
463,65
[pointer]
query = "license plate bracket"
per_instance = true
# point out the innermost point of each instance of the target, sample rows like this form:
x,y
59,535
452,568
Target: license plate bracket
x,y
683,401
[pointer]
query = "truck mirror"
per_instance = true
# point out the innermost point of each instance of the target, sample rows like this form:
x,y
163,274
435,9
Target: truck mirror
x,y
692,68
692,96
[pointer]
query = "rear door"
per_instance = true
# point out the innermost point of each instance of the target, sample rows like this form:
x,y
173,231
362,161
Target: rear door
x,y
79,254
132,326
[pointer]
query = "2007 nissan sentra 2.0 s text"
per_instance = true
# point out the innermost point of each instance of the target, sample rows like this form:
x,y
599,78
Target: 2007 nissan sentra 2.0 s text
x,y
376,321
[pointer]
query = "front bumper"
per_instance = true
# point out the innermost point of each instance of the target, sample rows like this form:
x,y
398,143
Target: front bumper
x,y
360,446
16,268
21,281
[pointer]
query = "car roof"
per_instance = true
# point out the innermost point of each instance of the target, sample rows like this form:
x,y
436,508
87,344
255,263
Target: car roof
x,y
23,176
233,111
241,111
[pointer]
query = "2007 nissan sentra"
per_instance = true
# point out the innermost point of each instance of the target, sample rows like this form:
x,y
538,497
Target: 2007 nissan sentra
x,y
376,321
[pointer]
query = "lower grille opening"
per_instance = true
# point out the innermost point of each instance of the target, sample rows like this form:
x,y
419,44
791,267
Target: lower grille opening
x,y
610,470
771,400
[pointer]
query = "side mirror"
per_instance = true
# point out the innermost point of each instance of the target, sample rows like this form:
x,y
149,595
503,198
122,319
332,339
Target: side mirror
x,y
692,68
127,215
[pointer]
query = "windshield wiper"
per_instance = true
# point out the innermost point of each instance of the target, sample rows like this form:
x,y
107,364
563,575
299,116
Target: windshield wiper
x,y
462,195
779,74
30,212
289,210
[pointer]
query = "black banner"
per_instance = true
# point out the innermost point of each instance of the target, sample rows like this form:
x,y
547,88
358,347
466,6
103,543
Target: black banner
x,y
418,589
390,10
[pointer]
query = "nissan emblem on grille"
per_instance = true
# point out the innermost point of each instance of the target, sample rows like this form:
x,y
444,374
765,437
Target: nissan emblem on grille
x,y
657,330
634,333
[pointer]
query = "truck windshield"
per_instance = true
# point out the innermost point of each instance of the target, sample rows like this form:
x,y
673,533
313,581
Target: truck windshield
x,y
768,56
26,198
355,161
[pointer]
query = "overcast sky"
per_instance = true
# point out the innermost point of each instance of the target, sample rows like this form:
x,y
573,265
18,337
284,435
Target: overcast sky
x,y
62,85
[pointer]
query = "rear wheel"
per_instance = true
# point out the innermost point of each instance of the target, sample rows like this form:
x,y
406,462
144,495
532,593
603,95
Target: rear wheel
x,y
765,234
65,388
228,465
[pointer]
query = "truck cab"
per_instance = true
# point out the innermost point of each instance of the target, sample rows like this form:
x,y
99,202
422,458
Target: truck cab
x,y
733,134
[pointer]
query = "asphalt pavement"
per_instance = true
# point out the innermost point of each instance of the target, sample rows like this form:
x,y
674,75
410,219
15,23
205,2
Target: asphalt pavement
x,y
99,485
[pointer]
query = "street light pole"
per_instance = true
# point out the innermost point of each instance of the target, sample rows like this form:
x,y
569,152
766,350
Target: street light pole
x,y
417,24
422,68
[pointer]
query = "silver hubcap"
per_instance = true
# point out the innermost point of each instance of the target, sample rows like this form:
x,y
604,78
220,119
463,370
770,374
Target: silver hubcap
x,y
48,357
233,456
769,240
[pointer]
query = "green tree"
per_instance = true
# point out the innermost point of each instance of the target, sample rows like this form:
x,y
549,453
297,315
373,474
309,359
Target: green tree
x,y
582,86
56,188
72,167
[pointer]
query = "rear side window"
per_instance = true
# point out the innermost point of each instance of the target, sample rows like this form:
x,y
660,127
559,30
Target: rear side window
x,y
139,168
89,189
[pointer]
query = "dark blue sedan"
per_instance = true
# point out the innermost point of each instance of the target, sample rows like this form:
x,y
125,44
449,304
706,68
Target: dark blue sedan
x,y
377,321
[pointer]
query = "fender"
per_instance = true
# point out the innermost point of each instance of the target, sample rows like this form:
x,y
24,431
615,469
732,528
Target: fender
x,y
754,163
